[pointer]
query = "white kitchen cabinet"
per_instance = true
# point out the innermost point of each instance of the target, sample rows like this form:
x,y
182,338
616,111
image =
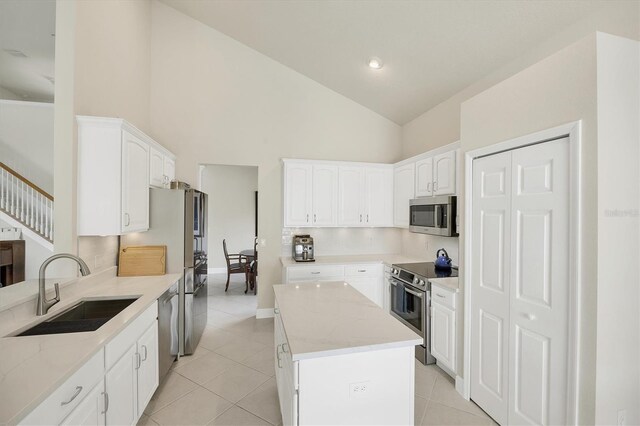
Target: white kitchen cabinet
x,y
91,411
444,173
135,184
162,167
298,187
364,196
285,374
443,326
148,366
121,383
403,191
116,165
424,177
323,199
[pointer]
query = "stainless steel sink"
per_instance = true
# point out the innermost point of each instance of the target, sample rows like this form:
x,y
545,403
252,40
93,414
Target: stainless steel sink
x,y
88,315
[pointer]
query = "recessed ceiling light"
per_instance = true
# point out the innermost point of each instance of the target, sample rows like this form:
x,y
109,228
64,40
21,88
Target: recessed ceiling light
x,y
375,63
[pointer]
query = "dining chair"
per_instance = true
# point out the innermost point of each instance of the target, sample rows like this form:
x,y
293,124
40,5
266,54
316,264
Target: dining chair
x,y
236,264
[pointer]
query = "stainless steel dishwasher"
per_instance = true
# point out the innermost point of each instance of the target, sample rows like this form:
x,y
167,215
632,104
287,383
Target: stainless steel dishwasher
x,y
168,329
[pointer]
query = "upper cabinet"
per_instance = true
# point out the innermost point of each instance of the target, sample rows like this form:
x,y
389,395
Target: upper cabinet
x,y
326,194
436,175
403,191
116,165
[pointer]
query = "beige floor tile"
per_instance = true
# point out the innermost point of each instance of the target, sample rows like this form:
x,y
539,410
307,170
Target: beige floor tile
x,y
146,421
444,392
236,416
172,387
198,407
426,376
184,360
240,350
236,383
205,368
214,338
263,361
439,414
263,402
418,409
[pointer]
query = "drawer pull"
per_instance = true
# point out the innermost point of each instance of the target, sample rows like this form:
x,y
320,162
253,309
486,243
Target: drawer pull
x,y
278,356
75,395
439,295
315,272
362,270
106,402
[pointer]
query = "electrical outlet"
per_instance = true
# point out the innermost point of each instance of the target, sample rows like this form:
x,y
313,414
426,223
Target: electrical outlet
x,y
622,417
360,389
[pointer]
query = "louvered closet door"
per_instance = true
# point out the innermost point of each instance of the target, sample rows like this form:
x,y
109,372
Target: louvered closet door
x,y
539,284
520,284
490,284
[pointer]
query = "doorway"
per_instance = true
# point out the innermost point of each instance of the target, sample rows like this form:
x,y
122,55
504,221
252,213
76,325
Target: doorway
x,y
233,218
520,315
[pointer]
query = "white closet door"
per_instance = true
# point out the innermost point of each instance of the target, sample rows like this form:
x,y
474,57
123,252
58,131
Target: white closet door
x,y
539,284
490,284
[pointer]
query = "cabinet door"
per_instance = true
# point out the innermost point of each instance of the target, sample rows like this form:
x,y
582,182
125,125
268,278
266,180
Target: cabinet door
x,y
443,335
156,168
350,196
91,411
135,184
424,177
403,191
148,370
324,198
121,386
378,189
444,172
169,170
297,199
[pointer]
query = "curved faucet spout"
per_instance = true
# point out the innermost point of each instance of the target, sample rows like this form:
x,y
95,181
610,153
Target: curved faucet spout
x,y
45,304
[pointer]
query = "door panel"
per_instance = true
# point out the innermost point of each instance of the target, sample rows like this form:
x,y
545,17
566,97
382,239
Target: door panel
x,y
148,371
490,290
424,177
298,194
325,188
156,168
403,191
121,384
350,196
540,282
378,197
135,184
444,171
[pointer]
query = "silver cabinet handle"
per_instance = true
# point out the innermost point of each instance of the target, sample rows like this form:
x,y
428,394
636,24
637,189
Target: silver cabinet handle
x,y
75,395
315,219
278,356
435,186
106,402
367,218
362,270
439,295
315,272
127,219
307,217
283,349
145,352
428,186
360,218
138,361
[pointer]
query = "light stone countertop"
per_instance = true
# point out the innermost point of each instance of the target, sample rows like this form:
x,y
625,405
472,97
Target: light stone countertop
x,y
450,283
388,259
332,318
32,367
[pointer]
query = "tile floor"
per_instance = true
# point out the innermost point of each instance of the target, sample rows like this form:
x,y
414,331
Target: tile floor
x,y
229,380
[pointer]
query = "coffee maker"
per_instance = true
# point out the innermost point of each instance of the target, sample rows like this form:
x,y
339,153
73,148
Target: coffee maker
x,y
303,248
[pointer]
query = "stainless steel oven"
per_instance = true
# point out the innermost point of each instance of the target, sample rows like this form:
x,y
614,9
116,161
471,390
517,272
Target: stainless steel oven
x,y
433,215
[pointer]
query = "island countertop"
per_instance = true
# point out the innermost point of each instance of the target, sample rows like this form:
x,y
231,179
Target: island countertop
x,y
34,366
332,318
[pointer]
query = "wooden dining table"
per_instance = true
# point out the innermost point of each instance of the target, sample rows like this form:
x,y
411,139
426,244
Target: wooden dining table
x,y
250,255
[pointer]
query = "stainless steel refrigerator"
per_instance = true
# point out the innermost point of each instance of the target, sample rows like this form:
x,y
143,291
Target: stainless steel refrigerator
x,y
177,219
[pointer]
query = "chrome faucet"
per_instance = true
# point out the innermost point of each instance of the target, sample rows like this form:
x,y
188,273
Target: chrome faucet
x,y
43,303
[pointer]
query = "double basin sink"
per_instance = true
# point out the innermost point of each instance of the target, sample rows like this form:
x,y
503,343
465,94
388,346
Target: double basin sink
x,y
88,315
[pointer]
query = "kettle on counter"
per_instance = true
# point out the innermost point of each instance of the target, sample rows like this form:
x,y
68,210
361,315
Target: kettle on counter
x,y
443,261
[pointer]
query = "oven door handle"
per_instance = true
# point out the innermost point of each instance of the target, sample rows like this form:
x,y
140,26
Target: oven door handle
x,y
413,292
393,283
437,212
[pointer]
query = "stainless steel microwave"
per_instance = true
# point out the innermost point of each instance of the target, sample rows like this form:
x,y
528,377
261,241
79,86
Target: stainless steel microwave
x,y
433,215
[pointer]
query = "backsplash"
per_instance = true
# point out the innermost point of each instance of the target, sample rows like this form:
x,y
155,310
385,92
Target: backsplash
x,y
425,246
99,252
346,241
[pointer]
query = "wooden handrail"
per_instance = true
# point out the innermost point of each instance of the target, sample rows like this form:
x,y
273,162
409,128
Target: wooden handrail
x,y
27,181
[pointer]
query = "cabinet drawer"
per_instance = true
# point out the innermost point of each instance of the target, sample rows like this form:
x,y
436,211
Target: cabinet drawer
x,y
363,270
314,273
128,337
67,397
443,296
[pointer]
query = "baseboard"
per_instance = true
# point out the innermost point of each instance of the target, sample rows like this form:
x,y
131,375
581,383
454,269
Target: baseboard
x,y
265,313
216,270
460,387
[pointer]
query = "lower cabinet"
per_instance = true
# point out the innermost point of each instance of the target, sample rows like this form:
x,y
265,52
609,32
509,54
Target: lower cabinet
x,y
368,278
91,411
285,375
443,326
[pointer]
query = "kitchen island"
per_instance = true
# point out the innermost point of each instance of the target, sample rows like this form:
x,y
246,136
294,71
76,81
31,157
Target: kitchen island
x,y
340,358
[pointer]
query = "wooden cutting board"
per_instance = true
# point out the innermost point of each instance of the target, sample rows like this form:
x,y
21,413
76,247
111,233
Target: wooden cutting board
x,y
137,261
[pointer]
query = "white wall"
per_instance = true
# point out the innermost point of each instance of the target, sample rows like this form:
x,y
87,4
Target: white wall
x,y
618,354
231,209
26,140
216,101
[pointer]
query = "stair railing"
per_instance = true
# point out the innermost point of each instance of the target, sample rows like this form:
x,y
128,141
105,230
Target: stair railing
x,y
25,202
